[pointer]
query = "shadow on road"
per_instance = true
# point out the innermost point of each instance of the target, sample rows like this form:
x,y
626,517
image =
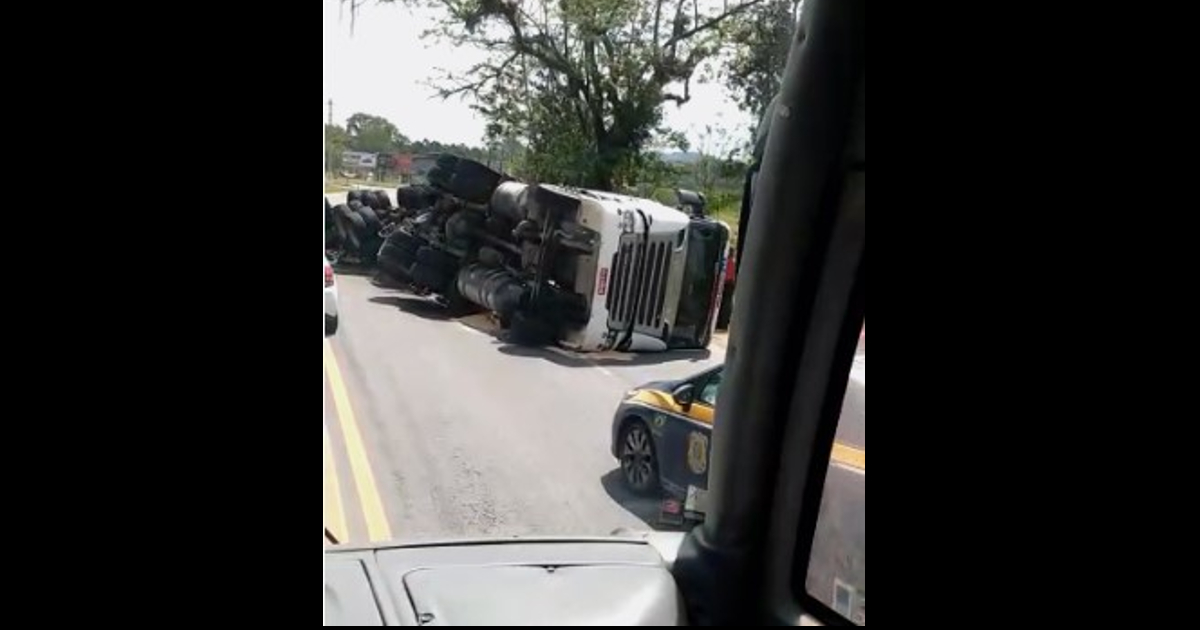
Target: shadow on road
x,y
645,508
353,269
566,358
421,307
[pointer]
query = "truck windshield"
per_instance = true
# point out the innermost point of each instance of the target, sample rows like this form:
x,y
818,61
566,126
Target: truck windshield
x,y
701,274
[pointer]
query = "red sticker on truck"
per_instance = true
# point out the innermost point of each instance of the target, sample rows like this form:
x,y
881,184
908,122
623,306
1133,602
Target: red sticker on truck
x,y
602,284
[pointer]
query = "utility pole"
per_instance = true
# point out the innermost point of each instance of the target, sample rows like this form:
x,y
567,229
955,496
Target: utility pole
x,y
328,152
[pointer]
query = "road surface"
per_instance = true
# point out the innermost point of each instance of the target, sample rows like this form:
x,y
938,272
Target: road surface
x,y
459,434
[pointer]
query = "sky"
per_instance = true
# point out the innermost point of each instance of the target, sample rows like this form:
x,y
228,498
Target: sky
x,y
383,67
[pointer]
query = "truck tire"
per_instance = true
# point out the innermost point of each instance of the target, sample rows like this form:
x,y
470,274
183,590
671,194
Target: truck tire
x,y
354,195
462,225
442,173
374,225
398,254
351,225
383,200
370,198
430,277
474,181
395,262
527,330
417,197
333,237
437,259
370,248
405,241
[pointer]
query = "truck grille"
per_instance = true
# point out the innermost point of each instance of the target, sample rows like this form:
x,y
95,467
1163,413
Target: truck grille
x,y
634,275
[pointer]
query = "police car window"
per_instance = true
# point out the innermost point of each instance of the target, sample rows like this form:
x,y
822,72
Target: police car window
x,y
708,394
837,565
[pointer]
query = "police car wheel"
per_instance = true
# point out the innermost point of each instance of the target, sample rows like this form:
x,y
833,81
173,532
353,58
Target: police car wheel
x,y
639,465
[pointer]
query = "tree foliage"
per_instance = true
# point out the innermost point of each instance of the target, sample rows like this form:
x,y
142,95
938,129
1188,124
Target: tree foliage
x,y
581,83
754,67
336,141
374,134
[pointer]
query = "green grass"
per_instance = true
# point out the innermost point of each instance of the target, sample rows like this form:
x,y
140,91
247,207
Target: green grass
x,y
723,205
729,213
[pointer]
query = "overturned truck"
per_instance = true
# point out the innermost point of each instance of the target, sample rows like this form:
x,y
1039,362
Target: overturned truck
x,y
583,269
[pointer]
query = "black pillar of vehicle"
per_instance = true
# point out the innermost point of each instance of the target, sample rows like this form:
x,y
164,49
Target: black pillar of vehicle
x,y
721,567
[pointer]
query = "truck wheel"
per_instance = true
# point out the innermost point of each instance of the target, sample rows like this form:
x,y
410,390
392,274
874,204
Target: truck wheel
x,y
370,248
442,173
395,259
351,224
374,225
473,181
527,330
384,201
639,463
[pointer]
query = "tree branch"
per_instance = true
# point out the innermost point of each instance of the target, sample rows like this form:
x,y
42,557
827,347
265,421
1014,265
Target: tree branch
x,y
657,17
680,100
680,36
493,74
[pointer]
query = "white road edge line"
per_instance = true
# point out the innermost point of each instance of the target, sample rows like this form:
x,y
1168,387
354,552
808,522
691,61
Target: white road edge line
x,y
473,330
849,468
604,370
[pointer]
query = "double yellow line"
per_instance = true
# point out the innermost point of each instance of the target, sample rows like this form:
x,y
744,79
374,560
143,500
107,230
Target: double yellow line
x,y
360,467
849,456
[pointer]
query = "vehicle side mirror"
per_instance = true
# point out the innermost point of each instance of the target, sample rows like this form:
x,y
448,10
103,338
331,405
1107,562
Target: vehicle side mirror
x,y
691,202
684,395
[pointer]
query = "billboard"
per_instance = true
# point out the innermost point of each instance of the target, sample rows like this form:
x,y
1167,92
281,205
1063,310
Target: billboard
x,y
358,159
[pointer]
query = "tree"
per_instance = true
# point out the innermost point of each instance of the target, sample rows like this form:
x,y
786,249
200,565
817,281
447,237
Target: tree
x,y
717,150
374,134
581,82
762,37
336,141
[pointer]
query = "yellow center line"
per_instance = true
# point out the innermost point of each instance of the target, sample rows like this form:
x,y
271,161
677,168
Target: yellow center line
x,y
850,456
360,466
335,515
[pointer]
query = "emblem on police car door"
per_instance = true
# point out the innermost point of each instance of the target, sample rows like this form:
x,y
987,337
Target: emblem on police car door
x,y
697,452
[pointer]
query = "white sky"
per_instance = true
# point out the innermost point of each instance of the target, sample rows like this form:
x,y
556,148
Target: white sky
x,y
382,69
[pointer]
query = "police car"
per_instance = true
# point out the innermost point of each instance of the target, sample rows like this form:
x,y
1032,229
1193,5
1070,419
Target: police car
x,y
662,430
661,434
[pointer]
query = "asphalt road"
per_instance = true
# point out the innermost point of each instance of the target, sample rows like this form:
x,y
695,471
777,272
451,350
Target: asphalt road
x,y
460,434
